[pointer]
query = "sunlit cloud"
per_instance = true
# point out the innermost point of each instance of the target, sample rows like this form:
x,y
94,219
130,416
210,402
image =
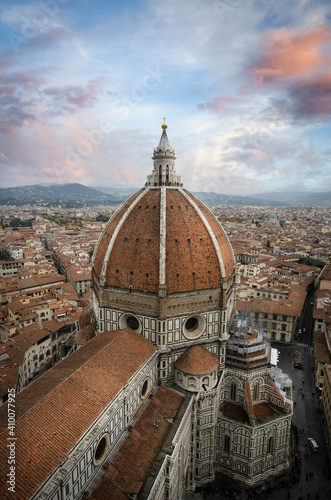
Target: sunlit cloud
x,y
287,54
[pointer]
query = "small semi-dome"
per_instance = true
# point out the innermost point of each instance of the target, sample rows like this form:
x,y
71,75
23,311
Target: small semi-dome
x,y
196,369
197,361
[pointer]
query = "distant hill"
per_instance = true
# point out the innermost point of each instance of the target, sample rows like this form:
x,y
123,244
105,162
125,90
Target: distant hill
x,y
296,197
207,198
74,194
119,193
55,193
224,199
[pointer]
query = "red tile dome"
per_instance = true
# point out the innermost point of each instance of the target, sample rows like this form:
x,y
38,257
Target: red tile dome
x,y
197,361
163,236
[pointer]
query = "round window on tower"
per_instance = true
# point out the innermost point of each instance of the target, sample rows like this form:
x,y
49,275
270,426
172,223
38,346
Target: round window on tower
x,y
194,326
144,389
132,322
101,449
129,320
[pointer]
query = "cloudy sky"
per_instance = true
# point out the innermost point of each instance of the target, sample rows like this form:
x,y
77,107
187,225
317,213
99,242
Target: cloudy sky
x,y
245,86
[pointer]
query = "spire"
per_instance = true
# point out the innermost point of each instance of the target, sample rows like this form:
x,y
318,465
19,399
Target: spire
x,y
164,173
164,141
164,126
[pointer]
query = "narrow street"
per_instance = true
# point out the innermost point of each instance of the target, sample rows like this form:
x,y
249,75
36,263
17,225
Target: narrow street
x,y
315,467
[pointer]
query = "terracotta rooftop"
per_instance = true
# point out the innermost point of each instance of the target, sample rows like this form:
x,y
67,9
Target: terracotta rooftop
x,y
235,411
326,274
291,306
322,353
197,361
37,281
53,412
131,466
262,411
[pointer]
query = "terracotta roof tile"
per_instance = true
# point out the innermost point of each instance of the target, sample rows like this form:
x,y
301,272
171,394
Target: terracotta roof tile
x,y
137,455
107,234
134,259
221,238
263,410
191,258
322,353
53,412
197,361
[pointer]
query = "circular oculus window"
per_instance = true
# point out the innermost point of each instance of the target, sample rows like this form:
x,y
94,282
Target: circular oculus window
x,y
144,389
128,320
101,449
194,326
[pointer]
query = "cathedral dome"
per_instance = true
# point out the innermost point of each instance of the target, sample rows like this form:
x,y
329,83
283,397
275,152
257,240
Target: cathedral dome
x,y
163,236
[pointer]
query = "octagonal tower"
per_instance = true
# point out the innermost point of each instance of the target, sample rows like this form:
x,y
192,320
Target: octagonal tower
x,y
164,267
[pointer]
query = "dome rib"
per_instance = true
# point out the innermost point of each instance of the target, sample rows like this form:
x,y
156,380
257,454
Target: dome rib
x,y
104,238
221,239
114,236
209,229
163,237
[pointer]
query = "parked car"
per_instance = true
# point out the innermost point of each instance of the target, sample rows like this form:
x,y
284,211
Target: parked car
x,y
298,365
313,444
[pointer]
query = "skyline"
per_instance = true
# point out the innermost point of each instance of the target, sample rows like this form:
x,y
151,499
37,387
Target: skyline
x,y
245,87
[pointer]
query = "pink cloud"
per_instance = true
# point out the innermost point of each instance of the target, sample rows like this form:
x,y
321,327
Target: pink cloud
x,y
291,54
77,95
219,103
10,130
21,79
311,97
3,157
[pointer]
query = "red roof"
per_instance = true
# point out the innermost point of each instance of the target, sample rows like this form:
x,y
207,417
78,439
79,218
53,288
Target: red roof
x,y
197,361
54,412
126,474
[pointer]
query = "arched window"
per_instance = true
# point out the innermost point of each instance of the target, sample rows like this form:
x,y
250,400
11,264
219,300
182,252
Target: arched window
x,y
226,447
191,382
233,392
205,381
270,447
256,392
